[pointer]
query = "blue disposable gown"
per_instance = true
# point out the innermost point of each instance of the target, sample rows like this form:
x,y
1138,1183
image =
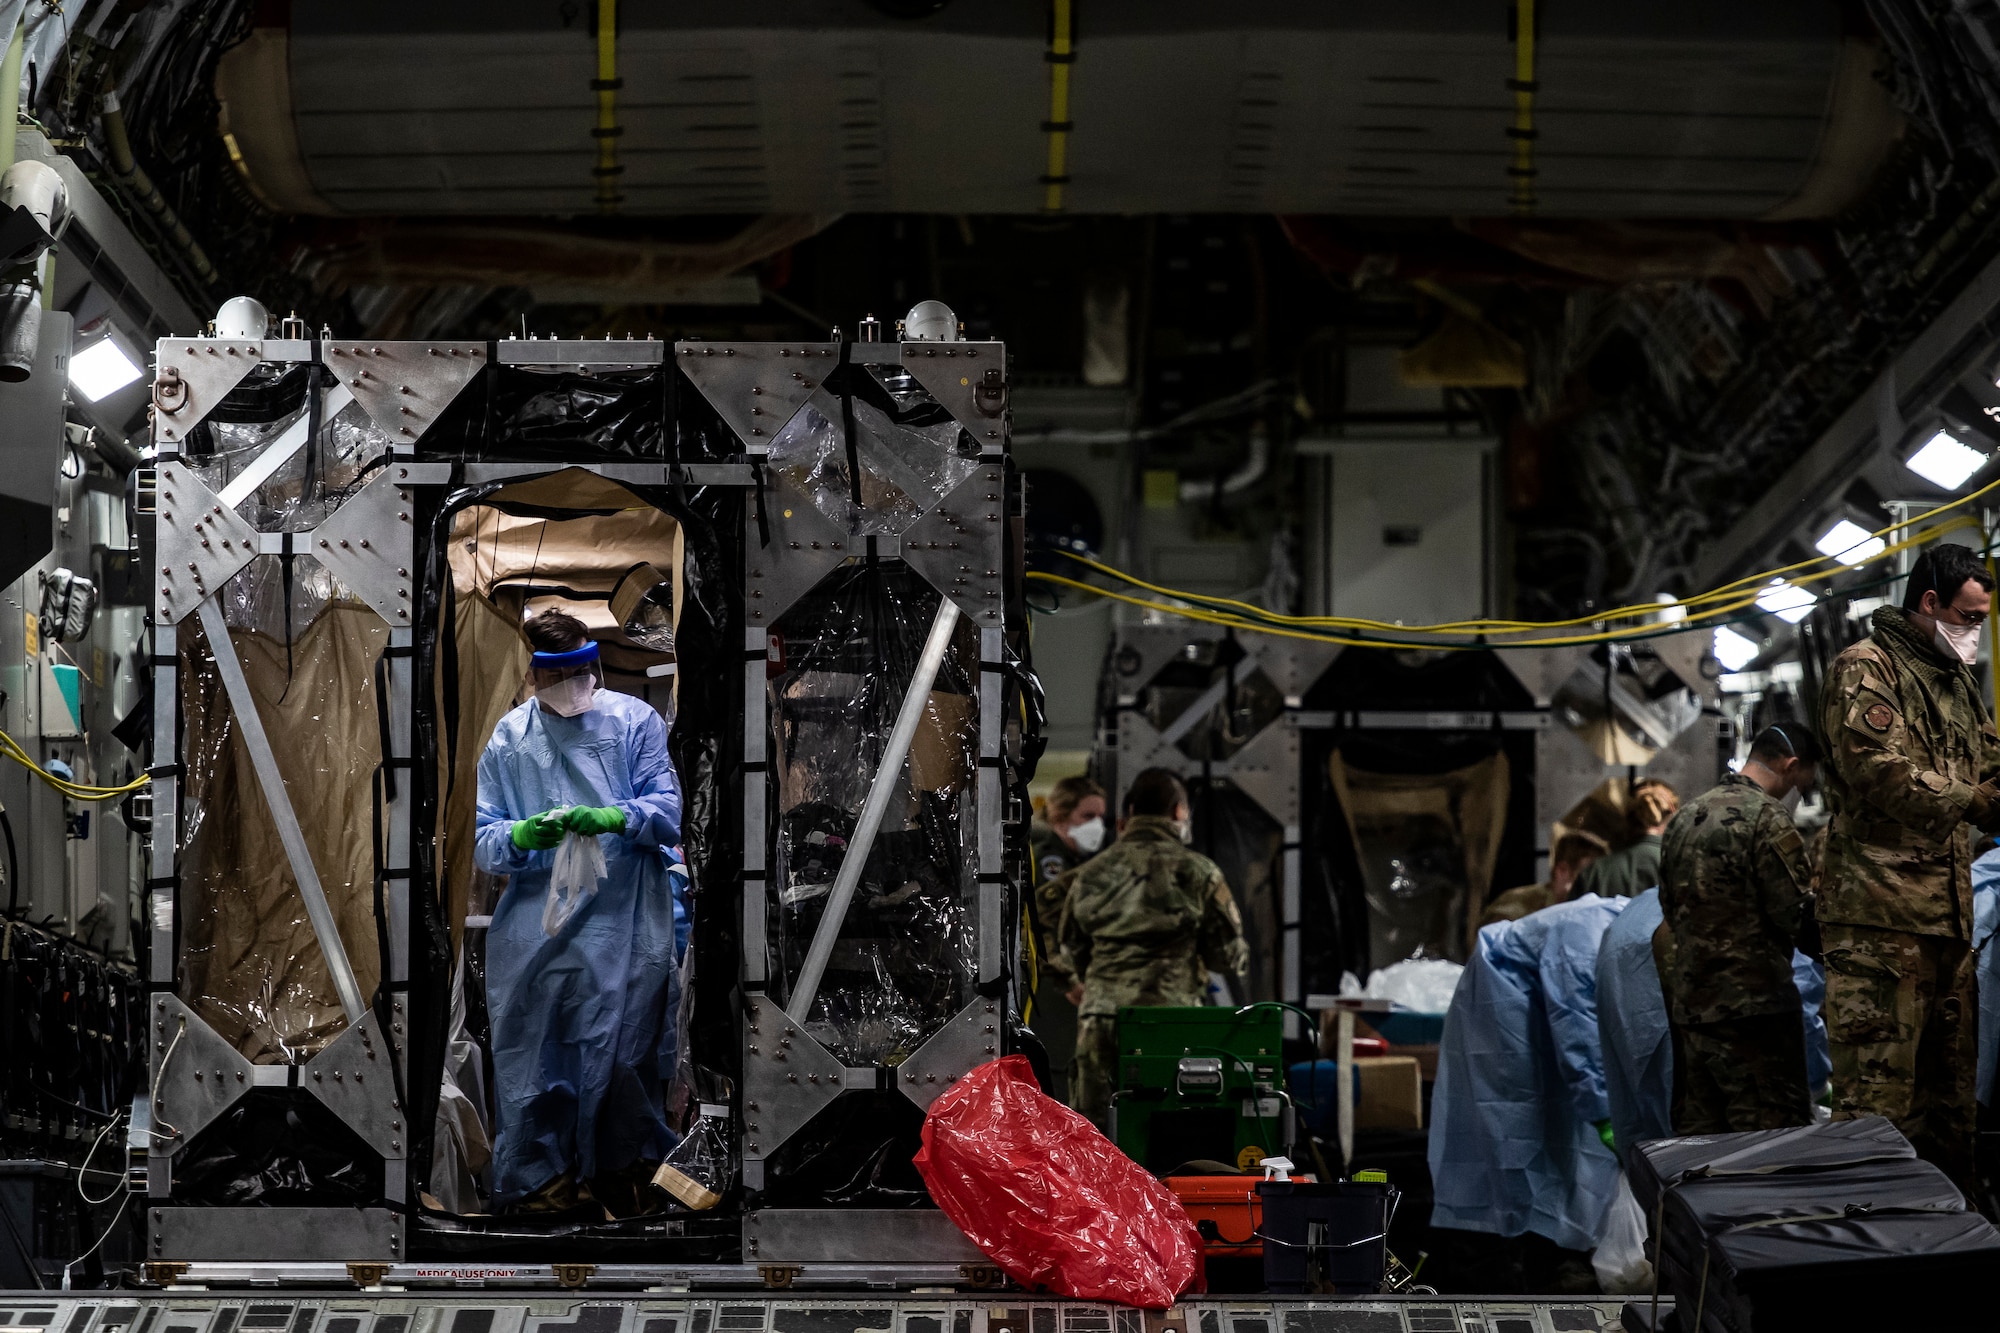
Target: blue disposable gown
x,y
1985,923
582,1035
1520,1088
1632,1021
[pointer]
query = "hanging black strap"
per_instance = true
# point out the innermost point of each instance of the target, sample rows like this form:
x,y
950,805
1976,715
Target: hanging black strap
x,y
763,519
847,434
285,580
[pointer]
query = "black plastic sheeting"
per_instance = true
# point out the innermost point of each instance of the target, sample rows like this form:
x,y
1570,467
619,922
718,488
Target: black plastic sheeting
x,y
278,1147
1825,1226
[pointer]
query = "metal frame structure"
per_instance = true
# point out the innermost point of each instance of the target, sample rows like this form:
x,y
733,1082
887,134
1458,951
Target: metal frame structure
x,y
959,546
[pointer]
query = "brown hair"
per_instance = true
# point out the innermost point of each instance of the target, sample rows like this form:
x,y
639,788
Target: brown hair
x,y
1067,795
1653,803
555,632
1574,848
1155,792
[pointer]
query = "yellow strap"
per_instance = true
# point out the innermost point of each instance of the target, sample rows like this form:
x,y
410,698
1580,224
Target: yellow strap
x,y
1062,54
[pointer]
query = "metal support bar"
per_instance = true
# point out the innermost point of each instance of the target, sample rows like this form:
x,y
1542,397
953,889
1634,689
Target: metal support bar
x,y
265,762
278,451
872,812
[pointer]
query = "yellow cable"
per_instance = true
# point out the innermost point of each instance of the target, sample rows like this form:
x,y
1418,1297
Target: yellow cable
x,y
1730,597
76,791
1062,54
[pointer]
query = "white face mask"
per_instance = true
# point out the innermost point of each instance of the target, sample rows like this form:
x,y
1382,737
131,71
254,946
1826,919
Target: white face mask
x,y
568,697
1089,835
1185,829
1959,641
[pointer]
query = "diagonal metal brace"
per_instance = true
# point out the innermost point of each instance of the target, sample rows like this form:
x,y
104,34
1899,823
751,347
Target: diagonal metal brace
x,y
265,762
872,811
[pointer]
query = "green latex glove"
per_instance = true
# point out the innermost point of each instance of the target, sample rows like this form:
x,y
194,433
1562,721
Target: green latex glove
x,y
1604,1132
595,819
538,833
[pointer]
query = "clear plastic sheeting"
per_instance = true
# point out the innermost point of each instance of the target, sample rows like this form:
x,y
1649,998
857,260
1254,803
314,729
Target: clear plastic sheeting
x,y
698,1171
251,965
1426,844
905,469
905,960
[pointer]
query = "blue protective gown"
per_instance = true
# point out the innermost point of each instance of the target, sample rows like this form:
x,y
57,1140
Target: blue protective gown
x,y
1632,1021
1985,923
582,1036
1520,1087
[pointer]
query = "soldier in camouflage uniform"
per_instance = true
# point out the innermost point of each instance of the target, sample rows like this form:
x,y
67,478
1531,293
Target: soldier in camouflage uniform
x,y
1145,922
1067,832
1912,756
1734,891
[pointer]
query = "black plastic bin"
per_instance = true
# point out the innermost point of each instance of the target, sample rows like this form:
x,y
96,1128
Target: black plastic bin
x,y
1325,1239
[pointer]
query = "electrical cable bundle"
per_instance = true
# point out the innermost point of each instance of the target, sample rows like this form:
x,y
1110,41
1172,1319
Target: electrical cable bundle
x,y
1732,602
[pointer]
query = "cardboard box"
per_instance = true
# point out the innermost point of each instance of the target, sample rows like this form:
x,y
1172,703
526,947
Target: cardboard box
x,y
1390,1093
1425,1056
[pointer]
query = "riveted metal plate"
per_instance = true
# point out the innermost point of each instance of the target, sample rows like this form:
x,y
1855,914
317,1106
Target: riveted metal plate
x,y
351,1074
959,546
198,1074
202,543
366,544
1145,650
206,369
1267,769
1140,747
957,375
272,1235
756,387
599,353
971,1038
1293,665
787,1078
805,547
404,386
855,1235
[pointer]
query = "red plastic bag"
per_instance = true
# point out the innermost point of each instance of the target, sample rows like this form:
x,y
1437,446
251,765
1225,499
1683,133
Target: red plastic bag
x,y
1051,1200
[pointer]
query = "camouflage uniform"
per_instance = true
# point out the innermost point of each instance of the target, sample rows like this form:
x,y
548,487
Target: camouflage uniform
x,y
1733,891
1147,920
1054,1017
1623,874
1517,903
1908,742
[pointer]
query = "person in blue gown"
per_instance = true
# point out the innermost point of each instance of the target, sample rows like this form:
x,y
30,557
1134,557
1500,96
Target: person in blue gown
x,y
582,1033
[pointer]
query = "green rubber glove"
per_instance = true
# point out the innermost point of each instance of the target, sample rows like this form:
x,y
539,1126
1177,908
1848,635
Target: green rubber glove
x,y
1604,1132
538,833
594,819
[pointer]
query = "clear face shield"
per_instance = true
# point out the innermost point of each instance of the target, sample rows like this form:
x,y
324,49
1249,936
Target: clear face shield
x,y
566,683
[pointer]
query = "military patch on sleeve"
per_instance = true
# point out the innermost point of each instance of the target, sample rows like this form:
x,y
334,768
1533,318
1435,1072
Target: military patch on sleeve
x,y
1879,716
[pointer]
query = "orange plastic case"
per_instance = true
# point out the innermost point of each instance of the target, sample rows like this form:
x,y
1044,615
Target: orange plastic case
x,y
1225,1210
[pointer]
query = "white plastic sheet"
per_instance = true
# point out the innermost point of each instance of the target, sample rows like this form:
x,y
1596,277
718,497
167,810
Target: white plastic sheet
x,y
573,880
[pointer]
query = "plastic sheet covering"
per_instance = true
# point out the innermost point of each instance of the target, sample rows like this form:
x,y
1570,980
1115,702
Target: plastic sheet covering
x,y
463,1143
905,469
698,1171
905,960
251,965
1049,1198
1426,844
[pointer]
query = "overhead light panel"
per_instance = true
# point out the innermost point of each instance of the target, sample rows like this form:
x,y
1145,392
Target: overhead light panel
x,y
1850,543
1945,461
102,369
1733,650
1787,601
